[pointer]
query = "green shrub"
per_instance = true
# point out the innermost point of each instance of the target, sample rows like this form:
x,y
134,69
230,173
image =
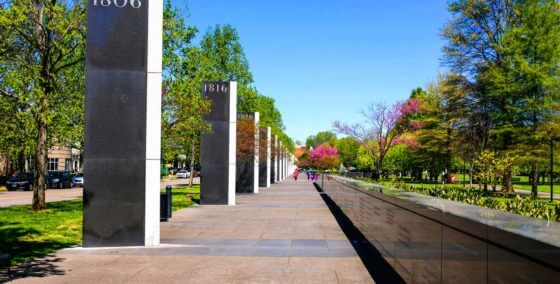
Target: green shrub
x,y
522,205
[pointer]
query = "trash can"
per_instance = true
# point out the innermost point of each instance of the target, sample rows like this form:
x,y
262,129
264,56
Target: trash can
x,y
165,204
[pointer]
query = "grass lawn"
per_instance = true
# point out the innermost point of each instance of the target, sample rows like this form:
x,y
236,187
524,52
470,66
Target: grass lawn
x,y
179,199
519,182
26,235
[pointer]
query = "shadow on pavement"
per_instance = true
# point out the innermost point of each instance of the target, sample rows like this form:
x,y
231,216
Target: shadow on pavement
x,y
377,266
40,267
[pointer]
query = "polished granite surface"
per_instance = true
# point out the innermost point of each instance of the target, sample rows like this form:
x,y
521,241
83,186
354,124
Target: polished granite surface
x,y
533,228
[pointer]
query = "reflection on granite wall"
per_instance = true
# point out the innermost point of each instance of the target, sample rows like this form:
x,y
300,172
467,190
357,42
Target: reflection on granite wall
x,y
429,246
247,168
264,157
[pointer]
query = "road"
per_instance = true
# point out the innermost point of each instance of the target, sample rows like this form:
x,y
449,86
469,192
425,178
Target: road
x,y
9,198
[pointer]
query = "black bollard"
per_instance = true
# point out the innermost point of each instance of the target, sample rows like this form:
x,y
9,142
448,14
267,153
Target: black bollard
x,y
165,204
169,200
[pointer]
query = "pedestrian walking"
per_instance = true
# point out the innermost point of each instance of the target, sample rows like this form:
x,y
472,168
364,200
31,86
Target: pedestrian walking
x,y
296,173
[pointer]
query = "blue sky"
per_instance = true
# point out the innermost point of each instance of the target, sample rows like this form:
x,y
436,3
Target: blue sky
x,y
325,60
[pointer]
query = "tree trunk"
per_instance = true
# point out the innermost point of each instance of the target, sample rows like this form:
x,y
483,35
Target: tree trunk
x,y
534,180
471,174
379,165
40,167
6,169
507,185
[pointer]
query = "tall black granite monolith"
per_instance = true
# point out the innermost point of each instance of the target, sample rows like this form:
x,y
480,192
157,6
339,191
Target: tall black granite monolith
x,y
247,160
122,123
281,162
218,147
277,159
273,157
264,157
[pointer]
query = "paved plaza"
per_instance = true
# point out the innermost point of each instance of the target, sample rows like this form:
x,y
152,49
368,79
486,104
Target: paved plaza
x,y
285,234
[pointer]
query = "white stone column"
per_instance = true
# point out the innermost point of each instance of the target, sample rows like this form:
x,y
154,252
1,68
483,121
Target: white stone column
x,y
153,121
276,168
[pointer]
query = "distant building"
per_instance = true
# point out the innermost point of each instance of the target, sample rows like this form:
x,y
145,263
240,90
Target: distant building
x,y
59,158
62,158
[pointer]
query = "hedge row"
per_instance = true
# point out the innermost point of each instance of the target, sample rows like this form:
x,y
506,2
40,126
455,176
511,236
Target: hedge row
x,y
518,204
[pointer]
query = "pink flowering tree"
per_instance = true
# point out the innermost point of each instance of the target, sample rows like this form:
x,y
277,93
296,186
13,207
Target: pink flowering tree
x,y
324,157
380,128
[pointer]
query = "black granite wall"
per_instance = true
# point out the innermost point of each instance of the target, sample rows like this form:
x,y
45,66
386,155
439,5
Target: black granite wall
x,y
115,125
428,246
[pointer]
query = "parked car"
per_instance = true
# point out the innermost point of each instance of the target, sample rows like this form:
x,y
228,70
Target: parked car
x,y
78,180
183,174
20,181
59,179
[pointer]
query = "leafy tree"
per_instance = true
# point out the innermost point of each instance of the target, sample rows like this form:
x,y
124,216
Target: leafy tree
x,y
228,62
252,101
348,150
491,166
530,78
303,160
508,51
441,114
365,159
400,159
324,157
320,138
42,67
185,67
381,126
221,48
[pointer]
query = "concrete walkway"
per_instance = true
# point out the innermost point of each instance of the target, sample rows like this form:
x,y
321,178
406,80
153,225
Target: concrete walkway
x,y
285,234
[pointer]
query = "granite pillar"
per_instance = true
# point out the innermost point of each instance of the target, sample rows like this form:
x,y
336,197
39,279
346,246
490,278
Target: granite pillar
x,y
273,157
247,178
264,157
218,147
280,161
122,123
